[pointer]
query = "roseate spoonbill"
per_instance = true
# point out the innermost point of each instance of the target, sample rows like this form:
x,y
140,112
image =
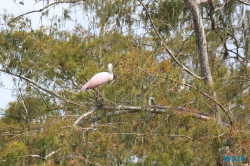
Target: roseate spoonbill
x,y
99,79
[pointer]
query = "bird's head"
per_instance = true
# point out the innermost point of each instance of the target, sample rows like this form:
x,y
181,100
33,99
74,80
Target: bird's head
x,y
110,68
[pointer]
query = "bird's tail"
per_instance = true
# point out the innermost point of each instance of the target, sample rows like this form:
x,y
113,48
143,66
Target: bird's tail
x,y
84,88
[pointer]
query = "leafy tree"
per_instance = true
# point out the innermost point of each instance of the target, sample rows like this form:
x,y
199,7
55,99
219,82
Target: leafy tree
x,y
188,61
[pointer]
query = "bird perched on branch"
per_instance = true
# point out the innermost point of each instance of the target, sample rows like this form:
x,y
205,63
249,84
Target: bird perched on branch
x,y
99,79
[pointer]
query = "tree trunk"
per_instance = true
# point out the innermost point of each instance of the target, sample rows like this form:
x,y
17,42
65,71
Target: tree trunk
x,y
193,6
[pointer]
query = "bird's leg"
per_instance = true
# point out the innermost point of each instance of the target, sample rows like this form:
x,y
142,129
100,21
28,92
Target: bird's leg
x,y
98,89
99,103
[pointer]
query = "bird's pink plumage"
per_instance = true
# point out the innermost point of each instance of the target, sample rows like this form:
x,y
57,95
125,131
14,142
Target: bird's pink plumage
x,y
97,80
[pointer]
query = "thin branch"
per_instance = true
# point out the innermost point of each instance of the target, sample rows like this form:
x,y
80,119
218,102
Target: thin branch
x,y
161,123
51,154
184,136
246,3
93,109
33,155
44,101
41,88
45,158
21,96
42,9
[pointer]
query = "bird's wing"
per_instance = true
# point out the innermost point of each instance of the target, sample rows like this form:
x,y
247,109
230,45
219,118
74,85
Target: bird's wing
x,y
97,80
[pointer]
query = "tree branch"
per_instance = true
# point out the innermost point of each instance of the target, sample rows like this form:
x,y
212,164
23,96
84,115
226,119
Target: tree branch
x,y
184,136
45,7
52,153
41,88
21,97
134,109
153,109
246,3
33,155
46,157
93,109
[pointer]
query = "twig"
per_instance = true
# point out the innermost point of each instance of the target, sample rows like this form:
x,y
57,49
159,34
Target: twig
x,y
52,153
21,96
45,158
184,136
33,155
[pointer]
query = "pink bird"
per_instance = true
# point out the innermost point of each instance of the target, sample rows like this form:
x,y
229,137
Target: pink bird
x,y
99,79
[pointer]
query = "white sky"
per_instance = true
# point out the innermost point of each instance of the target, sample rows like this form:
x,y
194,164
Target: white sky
x,y
15,8
5,91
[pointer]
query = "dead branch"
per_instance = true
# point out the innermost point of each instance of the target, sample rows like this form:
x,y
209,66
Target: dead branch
x,y
118,110
33,155
51,154
183,136
43,158
93,109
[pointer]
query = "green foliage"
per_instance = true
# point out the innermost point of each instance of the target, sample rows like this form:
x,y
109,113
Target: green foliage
x,y
165,14
49,67
13,154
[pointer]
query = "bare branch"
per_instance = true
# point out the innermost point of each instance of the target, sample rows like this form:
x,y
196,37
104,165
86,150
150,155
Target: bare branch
x,y
45,158
184,136
33,155
52,153
21,97
246,3
156,109
93,109
45,7
41,88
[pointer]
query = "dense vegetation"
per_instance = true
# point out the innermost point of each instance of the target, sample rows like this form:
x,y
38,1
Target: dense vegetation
x,y
161,109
